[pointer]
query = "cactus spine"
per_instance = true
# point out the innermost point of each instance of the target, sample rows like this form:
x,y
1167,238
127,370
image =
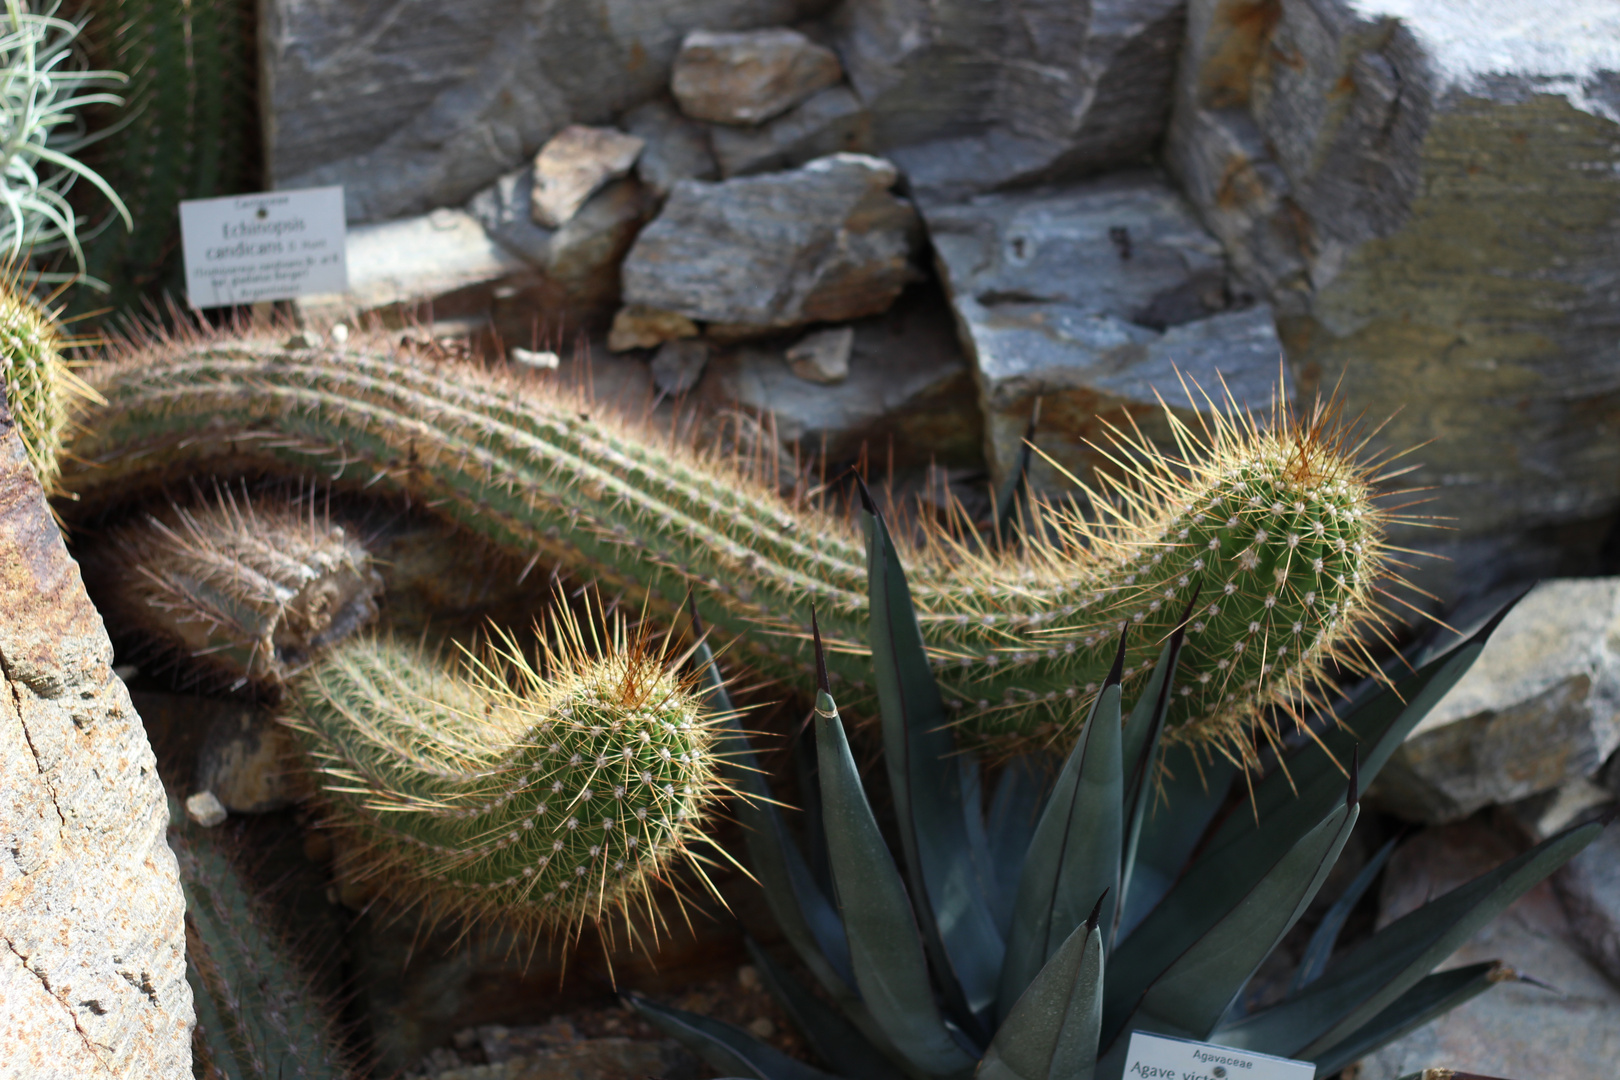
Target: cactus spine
x,y
543,795
258,1016
1274,529
39,385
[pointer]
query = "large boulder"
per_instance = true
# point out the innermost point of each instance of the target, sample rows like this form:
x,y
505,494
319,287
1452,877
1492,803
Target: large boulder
x,y
93,972
968,96
823,243
420,103
1429,193
1097,298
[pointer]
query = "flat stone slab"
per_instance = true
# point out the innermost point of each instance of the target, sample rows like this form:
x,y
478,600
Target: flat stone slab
x,y
575,164
747,77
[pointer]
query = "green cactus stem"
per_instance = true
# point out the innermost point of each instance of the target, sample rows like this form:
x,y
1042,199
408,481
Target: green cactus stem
x,y
1273,528
542,795
253,589
39,385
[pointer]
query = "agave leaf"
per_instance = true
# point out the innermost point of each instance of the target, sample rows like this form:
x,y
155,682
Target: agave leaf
x,y
1140,751
1432,997
885,949
1075,854
1326,935
1014,810
932,810
1051,1033
834,1038
1366,979
728,1049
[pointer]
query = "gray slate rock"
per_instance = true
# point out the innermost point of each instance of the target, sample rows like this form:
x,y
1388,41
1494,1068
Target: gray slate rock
x,y
1093,297
575,164
1428,193
1589,887
970,96
824,243
677,148
422,103
827,123
822,356
748,77
248,761
1540,708
678,365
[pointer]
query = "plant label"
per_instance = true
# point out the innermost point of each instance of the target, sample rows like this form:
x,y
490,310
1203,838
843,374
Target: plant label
x,y
271,246
1159,1057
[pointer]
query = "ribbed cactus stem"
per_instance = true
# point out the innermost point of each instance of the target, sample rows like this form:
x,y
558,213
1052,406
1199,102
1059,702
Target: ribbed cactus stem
x,y
252,588
547,795
259,1016
1274,528
39,385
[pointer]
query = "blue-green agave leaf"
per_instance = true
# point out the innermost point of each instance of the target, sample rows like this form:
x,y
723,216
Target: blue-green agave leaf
x,y
1051,1032
885,948
1432,997
1320,948
837,1041
728,1049
932,809
1370,976
1139,756
1015,809
1075,854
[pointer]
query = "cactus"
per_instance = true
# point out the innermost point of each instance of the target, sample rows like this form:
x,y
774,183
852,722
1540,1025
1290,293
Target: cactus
x,y
1273,529
39,384
983,960
253,590
543,795
258,1015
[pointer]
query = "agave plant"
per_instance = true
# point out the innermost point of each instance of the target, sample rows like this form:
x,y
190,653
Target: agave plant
x,y
1029,946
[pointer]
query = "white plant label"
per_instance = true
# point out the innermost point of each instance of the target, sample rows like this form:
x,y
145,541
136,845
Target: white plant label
x,y
1158,1057
272,246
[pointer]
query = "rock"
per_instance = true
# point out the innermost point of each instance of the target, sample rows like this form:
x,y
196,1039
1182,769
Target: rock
x,y
248,763
971,97
1428,194
1513,1029
824,243
822,356
205,809
443,99
1540,816
93,968
678,365
829,122
1094,298
909,397
587,1059
1541,707
677,148
645,328
575,164
543,360
750,76
1589,887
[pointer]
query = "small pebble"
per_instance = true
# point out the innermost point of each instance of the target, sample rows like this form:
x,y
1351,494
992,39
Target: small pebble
x,y
762,1028
748,977
205,809
543,361
340,333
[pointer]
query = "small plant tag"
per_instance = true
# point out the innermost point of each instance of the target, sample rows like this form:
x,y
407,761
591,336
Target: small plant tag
x,y
271,246
1159,1057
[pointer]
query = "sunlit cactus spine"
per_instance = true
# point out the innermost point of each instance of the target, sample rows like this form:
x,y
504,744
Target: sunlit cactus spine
x,y
1274,526
543,795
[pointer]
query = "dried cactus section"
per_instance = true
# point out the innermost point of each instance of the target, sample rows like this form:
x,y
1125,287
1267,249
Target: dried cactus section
x,y
1274,528
253,590
545,796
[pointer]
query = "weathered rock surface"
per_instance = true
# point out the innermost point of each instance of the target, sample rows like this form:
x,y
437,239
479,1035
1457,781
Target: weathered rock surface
x,y
92,975
1540,708
1093,297
830,122
909,392
575,164
419,103
1428,193
1589,887
823,243
677,148
967,96
747,77
678,365
823,355
248,760
645,328
1514,1029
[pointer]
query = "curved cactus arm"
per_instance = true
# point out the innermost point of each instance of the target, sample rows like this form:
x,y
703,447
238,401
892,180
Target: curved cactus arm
x,y
1431,998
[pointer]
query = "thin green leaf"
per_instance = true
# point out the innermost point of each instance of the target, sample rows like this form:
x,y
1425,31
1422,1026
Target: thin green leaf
x,y
1430,999
1051,1033
884,943
932,810
728,1049
1326,935
831,1036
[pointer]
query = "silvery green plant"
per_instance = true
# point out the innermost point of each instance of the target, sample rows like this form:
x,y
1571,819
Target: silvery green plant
x,y
1030,942
42,90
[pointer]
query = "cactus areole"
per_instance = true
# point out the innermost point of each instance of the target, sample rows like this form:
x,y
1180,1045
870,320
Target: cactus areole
x,y
1273,527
